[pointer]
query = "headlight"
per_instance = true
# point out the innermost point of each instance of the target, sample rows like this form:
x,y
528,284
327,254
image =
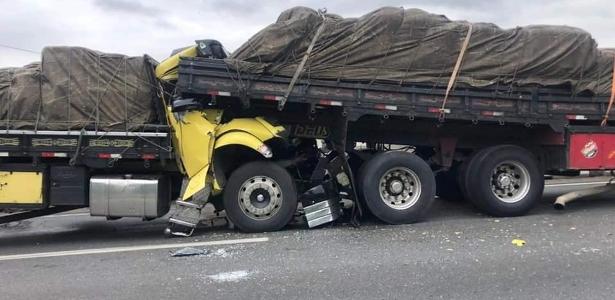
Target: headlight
x,y
265,151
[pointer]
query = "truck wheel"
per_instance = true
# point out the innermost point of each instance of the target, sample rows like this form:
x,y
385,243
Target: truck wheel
x,y
462,179
260,196
398,187
504,181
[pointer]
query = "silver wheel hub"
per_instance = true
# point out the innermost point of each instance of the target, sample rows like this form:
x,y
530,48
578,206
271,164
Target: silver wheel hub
x,y
510,181
260,197
397,186
504,180
400,188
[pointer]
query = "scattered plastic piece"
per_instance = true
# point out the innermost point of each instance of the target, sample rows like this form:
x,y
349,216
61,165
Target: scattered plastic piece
x,y
518,242
189,251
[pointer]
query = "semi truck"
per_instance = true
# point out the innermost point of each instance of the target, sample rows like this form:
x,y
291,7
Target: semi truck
x,y
264,147
237,141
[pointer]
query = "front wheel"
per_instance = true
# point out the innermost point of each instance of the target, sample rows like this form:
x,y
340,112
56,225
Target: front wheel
x,y
398,187
260,196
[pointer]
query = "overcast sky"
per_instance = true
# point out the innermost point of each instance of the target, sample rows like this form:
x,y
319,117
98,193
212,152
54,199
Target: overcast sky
x,y
155,27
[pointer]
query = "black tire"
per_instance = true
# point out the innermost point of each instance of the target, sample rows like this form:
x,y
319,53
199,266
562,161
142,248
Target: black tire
x,y
381,164
480,179
283,205
466,166
461,177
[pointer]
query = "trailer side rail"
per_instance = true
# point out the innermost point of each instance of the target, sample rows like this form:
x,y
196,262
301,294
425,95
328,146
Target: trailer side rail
x,y
502,104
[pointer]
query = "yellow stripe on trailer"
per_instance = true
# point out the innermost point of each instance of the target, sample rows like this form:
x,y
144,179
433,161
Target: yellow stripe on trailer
x,y
21,187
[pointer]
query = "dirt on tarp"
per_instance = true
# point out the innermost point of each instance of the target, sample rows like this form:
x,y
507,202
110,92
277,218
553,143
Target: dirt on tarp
x,y
74,88
410,45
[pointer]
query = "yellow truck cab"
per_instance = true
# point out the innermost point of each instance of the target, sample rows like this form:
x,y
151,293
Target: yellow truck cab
x,y
262,195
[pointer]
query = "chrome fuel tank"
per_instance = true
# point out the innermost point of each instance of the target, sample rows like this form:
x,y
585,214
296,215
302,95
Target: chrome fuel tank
x,y
115,196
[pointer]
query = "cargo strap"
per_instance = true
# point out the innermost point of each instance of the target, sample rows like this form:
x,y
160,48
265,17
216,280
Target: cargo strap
x,y
453,78
608,109
303,61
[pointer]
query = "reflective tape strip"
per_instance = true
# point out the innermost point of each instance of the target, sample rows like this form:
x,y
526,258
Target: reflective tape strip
x,y
437,110
54,154
492,113
576,117
273,98
4,154
218,93
148,156
385,107
330,102
109,155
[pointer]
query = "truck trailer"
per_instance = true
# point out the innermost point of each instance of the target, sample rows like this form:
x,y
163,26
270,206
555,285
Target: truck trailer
x,y
264,146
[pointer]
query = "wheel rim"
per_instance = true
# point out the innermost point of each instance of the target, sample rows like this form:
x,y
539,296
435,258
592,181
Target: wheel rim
x,y
400,188
260,197
510,181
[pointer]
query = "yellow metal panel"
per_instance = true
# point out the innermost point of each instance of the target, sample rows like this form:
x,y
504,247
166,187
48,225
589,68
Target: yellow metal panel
x,y
255,127
196,183
167,69
21,187
193,139
238,138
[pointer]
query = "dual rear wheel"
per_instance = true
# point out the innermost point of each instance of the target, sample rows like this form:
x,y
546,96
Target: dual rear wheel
x,y
397,187
502,181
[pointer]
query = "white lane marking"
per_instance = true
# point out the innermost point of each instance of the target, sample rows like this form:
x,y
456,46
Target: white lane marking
x,y
67,215
578,183
230,276
130,249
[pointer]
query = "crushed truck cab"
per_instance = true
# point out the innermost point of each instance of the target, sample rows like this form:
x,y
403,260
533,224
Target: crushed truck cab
x,y
198,134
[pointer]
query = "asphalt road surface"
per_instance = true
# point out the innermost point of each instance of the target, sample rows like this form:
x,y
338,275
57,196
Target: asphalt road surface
x,y
456,254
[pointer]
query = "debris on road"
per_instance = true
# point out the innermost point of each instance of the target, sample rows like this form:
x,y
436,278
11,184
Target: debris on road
x,y
230,276
189,251
518,242
222,253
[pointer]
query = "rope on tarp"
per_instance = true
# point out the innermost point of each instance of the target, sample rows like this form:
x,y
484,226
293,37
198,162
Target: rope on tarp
x,y
8,102
299,69
611,100
456,69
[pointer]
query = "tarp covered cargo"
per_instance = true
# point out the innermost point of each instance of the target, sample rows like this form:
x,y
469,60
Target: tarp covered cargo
x,y
411,45
76,88
20,96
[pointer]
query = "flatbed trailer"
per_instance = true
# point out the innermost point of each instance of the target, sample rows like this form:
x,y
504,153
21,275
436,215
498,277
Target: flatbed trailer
x,y
49,170
491,145
548,118
502,104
